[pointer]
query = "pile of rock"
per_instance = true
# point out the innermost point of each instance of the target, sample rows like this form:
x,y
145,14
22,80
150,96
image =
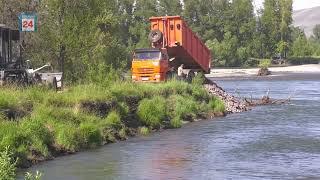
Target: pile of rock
x,y
233,104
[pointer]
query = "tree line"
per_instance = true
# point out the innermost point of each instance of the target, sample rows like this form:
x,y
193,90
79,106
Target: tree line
x,y
92,37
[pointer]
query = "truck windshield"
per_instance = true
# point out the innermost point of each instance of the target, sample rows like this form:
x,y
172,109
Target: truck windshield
x,y
153,55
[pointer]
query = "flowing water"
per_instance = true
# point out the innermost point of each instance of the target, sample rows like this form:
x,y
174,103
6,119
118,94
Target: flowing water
x,y
270,142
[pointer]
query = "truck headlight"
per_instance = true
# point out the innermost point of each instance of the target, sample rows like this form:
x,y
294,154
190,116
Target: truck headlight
x,y
134,77
156,63
158,76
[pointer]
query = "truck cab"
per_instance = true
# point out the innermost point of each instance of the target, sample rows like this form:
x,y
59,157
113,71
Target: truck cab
x,y
150,65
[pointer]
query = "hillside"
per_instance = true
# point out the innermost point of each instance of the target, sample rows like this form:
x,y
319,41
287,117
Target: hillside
x,y
307,19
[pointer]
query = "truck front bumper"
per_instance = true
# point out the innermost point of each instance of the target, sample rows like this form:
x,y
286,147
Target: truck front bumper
x,y
148,78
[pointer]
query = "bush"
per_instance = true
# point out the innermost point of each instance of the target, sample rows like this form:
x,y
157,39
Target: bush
x,y
7,165
265,63
303,60
152,112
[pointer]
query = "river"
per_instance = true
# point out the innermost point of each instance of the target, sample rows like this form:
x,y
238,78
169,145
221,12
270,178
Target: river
x,y
270,142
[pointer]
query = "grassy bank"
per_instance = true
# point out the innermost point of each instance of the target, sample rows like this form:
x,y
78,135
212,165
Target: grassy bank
x,y
38,124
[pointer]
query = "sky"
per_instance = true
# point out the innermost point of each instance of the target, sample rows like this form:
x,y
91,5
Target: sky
x,y
297,4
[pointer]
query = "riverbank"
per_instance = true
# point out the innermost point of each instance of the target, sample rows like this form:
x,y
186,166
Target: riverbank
x,y
269,142
302,71
38,124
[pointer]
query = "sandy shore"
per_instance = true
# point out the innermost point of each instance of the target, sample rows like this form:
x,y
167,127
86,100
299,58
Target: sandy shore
x,y
303,71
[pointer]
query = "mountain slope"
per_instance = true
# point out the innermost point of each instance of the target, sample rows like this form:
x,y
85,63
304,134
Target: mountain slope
x,y
307,19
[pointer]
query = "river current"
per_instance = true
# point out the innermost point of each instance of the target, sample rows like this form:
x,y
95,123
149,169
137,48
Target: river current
x,y
269,142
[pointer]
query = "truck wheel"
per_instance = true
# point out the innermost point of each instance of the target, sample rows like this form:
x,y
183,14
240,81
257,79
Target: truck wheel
x,y
155,36
190,76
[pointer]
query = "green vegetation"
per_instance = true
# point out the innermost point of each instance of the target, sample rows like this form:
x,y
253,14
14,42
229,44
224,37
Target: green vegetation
x,y
152,112
87,116
144,131
304,60
265,63
7,165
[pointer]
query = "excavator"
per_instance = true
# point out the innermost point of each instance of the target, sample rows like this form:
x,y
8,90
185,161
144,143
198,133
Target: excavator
x,y
15,70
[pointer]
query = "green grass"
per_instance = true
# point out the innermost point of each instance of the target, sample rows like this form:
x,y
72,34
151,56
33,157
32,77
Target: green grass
x,y
7,165
144,131
265,63
216,105
152,112
79,118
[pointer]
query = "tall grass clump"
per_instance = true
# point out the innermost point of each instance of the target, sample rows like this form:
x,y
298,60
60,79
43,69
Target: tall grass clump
x,y
152,112
12,136
217,105
7,165
67,137
30,176
113,120
144,131
90,135
181,108
40,138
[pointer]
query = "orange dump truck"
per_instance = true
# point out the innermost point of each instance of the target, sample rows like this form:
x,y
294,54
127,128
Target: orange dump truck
x,y
173,43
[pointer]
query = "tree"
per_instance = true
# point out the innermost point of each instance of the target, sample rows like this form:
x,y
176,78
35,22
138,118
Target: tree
x,y
286,21
316,32
301,47
170,7
140,28
270,23
80,40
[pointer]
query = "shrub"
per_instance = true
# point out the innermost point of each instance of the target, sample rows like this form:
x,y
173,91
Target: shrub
x,y
7,165
303,60
90,135
265,63
152,112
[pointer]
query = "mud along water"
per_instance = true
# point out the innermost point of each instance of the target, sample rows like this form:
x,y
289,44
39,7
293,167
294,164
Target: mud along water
x,y
271,142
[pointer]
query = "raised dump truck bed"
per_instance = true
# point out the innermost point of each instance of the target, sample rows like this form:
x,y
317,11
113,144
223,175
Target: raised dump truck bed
x,y
182,44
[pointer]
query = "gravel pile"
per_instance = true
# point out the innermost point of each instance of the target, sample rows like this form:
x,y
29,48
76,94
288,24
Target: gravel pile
x,y
233,104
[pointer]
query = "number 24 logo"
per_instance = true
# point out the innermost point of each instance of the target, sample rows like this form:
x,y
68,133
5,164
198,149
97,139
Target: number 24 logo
x,y
26,24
